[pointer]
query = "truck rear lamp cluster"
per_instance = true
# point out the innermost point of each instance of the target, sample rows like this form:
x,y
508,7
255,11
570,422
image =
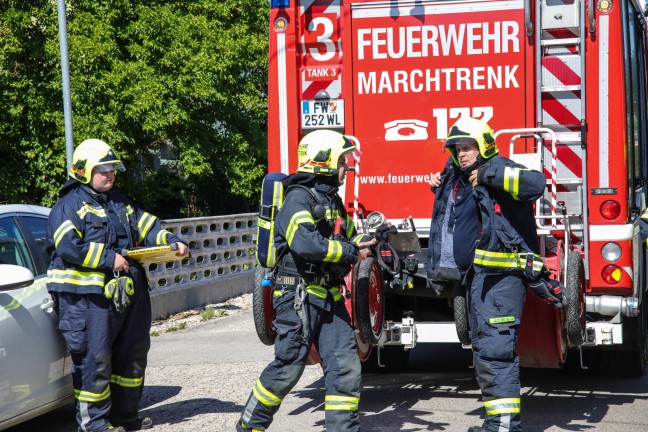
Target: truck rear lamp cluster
x,y
611,252
612,274
610,209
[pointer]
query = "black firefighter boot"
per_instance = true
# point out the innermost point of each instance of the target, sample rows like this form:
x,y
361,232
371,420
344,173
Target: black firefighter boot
x,y
242,427
140,424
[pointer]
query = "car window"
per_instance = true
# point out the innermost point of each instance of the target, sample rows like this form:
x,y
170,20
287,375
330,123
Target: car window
x,y
13,249
37,226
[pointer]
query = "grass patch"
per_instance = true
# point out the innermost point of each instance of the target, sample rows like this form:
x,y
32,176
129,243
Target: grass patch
x,y
207,313
172,329
221,313
182,326
154,334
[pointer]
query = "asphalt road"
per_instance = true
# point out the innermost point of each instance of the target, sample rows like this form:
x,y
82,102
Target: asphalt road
x,y
199,378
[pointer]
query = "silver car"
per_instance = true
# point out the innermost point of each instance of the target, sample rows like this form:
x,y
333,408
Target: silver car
x,y
34,364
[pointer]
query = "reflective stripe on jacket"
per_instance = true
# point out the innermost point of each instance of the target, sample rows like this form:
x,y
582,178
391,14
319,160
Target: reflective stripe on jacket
x,y
81,239
309,240
505,195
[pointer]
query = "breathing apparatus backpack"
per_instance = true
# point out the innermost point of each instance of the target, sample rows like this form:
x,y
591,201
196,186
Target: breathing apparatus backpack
x,y
272,193
272,196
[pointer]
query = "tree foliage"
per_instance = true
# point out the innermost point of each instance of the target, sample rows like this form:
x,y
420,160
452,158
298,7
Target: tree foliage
x,y
185,79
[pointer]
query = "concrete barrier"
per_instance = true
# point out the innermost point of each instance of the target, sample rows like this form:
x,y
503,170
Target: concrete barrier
x,y
221,265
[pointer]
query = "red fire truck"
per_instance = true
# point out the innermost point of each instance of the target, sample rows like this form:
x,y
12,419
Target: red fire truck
x,y
563,84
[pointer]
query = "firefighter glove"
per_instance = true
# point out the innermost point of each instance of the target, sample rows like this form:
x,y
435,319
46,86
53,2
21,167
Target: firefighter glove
x,y
550,290
119,290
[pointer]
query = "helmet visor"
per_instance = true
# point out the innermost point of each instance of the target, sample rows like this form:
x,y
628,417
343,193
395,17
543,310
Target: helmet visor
x,y
109,167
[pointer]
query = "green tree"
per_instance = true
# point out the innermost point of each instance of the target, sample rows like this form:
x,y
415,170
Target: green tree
x,y
185,80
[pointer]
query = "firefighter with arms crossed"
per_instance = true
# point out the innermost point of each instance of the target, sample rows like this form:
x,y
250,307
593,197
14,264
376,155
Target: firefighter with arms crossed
x,y
309,304
486,200
102,299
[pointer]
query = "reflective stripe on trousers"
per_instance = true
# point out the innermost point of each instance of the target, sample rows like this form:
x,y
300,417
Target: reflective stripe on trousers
x,y
336,346
107,374
495,309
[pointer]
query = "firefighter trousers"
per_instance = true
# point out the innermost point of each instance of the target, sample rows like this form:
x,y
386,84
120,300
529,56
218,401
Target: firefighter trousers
x,y
333,337
494,312
109,351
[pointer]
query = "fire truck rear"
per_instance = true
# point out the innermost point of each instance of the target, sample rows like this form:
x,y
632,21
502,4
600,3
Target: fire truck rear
x,y
562,83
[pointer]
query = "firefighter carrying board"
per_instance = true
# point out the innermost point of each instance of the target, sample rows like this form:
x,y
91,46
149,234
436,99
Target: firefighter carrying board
x,y
155,254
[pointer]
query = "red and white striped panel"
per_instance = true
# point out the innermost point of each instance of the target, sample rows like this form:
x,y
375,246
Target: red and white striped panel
x,y
561,107
560,34
568,160
561,111
322,18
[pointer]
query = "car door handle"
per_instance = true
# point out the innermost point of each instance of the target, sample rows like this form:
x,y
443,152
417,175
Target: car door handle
x,y
48,305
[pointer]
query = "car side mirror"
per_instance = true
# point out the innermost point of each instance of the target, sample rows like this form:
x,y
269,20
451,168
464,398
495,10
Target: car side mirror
x,y
14,277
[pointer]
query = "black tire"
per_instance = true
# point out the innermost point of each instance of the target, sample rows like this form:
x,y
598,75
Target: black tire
x,y
393,358
370,305
461,319
262,309
575,307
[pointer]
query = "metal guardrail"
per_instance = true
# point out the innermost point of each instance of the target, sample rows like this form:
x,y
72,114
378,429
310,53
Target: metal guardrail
x,y
220,247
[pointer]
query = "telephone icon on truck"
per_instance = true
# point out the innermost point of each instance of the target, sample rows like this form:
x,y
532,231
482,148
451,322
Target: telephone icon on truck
x,y
406,130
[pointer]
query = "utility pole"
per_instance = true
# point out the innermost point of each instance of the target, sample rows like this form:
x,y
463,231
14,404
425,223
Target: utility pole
x,y
65,69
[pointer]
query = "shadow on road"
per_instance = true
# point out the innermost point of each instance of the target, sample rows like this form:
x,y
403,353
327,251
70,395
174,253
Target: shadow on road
x,y
182,411
439,384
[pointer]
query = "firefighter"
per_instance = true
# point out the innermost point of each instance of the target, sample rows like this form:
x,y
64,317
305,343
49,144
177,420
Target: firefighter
x,y
308,300
486,200
102,298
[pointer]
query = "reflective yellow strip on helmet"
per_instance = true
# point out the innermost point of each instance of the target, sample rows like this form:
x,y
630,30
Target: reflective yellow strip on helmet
x,y
64,228
126,382
334,252
94,255
144,224
341,403
83,211
502,406
264,396
297,219
161,238
86,396
512,181
74,277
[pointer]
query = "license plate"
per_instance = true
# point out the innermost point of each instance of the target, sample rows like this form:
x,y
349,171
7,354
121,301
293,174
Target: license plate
x,y
327,114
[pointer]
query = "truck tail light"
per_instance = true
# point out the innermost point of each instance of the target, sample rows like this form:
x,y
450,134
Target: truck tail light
x,y
612,274
610,209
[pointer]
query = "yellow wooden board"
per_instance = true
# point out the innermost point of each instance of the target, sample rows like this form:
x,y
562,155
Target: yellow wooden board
x,y
156,254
